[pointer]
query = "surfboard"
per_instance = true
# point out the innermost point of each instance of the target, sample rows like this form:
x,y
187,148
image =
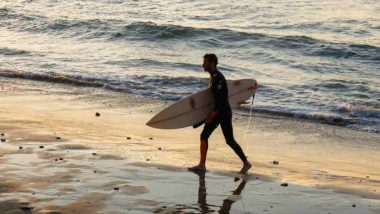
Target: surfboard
x,y
196,107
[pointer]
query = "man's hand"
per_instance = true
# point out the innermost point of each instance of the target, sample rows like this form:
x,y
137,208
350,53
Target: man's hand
x,y
211,116
241,102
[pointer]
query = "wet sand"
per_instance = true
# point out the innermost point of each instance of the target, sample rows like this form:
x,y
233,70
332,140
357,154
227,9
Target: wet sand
x,y
57,156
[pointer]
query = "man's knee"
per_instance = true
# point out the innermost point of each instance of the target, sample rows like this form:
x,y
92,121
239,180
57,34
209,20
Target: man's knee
x,y
231,142
204,136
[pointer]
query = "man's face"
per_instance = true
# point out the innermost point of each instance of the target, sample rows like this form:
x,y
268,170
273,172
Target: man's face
x,y
207,65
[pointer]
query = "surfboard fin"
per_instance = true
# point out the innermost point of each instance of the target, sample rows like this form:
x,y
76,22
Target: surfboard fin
x,y
199,124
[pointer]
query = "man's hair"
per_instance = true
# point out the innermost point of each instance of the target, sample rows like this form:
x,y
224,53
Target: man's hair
x,y
211,57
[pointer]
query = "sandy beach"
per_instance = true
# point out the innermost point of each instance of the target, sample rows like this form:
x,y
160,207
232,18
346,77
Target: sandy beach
x,y
79,80
57,156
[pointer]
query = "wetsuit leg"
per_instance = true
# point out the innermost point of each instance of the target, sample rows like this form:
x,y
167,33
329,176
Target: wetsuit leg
x,y
226,124
209,128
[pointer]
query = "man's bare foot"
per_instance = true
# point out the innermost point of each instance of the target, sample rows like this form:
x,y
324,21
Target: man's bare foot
x,y
247,165
197,168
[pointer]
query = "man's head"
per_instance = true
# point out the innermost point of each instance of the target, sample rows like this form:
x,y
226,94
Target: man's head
x,y
209,62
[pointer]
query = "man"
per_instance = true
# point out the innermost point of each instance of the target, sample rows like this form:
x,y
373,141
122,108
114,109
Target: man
x,y
221,114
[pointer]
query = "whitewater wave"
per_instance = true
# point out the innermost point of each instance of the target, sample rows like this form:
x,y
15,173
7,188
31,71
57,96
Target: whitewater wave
x,y
160,87
359,120
9,51
144,85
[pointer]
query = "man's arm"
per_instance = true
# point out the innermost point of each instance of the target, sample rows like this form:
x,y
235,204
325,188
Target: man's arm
x,y
215,87
218,92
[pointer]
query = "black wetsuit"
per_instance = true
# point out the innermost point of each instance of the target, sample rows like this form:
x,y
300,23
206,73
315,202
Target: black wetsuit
x,y
218,86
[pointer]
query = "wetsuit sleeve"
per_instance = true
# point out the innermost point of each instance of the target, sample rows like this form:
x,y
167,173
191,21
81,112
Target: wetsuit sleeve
x,y
219,92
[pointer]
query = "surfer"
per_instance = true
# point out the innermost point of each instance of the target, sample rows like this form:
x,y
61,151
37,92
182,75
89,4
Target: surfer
x,y
221,114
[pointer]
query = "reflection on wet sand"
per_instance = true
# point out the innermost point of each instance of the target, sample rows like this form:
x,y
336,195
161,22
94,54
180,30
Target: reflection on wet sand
x,y
203,206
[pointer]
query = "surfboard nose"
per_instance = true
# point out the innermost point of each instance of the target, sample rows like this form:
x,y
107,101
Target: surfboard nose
x,y
151,122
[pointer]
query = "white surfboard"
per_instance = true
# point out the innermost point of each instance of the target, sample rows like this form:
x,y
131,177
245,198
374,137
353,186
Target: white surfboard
x,y
196,107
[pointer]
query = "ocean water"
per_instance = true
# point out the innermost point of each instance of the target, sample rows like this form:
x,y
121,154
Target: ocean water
x,y
318,60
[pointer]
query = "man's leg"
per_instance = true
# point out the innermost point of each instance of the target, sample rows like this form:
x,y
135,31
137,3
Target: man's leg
x,y
226,125
207,131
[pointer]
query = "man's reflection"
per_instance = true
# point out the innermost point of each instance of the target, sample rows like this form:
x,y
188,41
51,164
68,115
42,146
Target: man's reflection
x,y
202,199
202,195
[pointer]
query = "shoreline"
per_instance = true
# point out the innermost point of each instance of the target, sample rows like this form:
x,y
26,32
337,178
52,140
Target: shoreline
x,y
321,157
72,82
